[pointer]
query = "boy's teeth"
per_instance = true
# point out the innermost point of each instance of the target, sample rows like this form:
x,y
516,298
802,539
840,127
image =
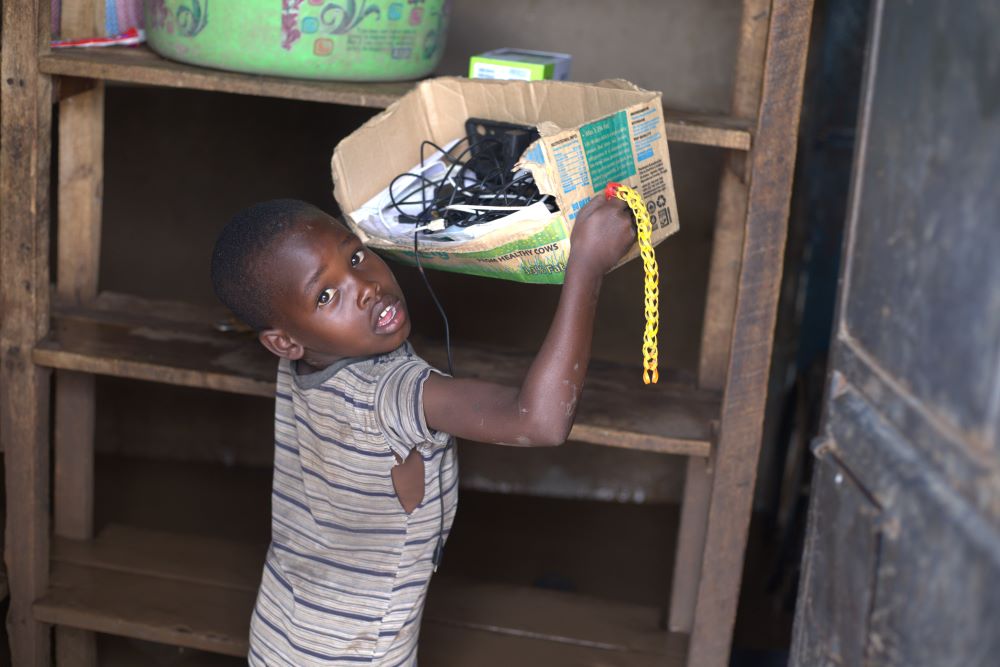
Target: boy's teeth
x,y
386,315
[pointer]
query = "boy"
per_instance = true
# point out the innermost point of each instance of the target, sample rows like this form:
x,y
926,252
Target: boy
x,y
365,481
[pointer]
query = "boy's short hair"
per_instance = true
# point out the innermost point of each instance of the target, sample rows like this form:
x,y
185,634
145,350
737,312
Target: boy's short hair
x,y
239,275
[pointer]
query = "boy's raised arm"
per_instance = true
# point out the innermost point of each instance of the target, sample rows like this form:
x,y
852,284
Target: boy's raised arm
x,y
541,411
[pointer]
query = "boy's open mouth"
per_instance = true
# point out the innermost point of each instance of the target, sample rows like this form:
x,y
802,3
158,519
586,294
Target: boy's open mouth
x,y
390,317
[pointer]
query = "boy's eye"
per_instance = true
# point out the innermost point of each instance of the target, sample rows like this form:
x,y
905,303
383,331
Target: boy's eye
x,y
357,257
326,296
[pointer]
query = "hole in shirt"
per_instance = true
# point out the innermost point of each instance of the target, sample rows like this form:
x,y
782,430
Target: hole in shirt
x,y
408,481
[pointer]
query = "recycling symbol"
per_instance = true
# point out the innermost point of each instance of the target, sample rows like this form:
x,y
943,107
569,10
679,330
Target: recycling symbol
x,y
661,201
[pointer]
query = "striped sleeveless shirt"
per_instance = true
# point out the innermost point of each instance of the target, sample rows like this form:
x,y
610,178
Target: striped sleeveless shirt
x,y
347,570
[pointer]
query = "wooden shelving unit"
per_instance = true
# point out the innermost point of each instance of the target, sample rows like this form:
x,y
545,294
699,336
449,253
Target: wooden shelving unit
x,y
196,592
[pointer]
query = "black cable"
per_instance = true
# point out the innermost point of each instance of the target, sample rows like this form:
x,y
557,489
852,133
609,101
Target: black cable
x,y
439,546
447,329
475,176
492,182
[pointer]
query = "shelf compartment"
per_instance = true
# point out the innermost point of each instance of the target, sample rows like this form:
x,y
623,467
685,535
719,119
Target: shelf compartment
x,y
139,65
198,593
178,344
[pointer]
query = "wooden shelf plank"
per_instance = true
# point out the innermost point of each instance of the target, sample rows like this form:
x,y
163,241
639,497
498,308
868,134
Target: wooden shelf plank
x,y
198,560
197,592
707,130
127,652
142,66
533,613
449,646
176,344
197,616
170,353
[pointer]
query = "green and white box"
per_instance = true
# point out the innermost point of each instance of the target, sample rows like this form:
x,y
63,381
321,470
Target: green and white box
x,y
520,64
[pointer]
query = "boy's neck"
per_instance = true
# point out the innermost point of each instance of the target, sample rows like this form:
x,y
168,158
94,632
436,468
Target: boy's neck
x,y
306,366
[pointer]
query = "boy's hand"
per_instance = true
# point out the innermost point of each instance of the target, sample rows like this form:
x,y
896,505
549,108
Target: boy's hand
x,y
604,232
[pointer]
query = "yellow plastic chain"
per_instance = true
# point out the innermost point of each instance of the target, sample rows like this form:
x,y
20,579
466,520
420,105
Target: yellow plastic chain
x,y
650,351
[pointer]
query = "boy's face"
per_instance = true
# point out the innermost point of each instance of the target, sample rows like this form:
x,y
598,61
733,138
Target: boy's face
x,y
334,297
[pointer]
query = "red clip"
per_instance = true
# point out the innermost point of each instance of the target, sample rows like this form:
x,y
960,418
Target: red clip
x,y
611,191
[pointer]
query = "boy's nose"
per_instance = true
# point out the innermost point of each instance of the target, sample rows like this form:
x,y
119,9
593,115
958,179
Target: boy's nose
x,y
367,292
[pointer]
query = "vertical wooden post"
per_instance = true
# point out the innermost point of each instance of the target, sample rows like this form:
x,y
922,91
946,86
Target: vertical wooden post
x,y
773,161
81,184
690,544
730,217
25,124
720,306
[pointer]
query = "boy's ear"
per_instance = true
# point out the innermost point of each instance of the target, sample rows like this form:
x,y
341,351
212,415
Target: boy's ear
x,y
280,343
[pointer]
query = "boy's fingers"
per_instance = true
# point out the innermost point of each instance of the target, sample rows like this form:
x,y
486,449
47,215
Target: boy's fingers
x,y
625,212
628,217
610,209
635,220
631,215
591,206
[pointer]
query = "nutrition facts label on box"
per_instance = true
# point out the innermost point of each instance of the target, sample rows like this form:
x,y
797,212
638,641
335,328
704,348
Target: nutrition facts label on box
x,y
645,132
570,164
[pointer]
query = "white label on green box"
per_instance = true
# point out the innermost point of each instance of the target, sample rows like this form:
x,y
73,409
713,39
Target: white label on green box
x,y
483,70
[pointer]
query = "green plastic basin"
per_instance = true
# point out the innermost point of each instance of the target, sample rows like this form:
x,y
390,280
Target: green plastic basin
x,y
345,40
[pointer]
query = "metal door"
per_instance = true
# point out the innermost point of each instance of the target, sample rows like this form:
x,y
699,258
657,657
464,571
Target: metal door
x,y
902,561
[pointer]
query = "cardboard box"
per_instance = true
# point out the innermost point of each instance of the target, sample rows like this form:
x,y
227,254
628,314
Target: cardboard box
x,y
590,134
520,64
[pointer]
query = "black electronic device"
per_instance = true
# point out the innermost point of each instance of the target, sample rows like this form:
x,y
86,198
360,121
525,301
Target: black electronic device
x,y
496,144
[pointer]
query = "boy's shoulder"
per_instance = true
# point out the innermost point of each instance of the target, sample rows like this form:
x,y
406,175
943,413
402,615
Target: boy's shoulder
x,y
360,399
